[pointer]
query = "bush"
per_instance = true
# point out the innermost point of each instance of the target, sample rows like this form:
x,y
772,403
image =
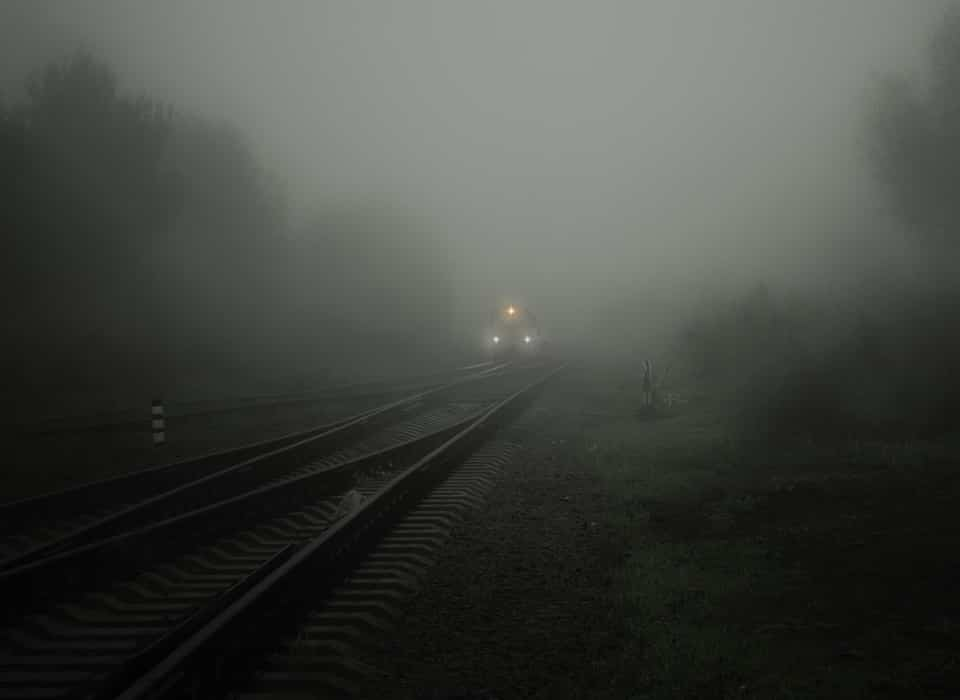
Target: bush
x,y
791,370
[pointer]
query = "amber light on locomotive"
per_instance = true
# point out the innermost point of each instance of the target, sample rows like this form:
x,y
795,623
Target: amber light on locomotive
x,y
514,331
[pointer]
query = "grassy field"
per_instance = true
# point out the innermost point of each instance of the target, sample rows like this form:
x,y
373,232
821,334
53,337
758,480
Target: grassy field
x,y
777,570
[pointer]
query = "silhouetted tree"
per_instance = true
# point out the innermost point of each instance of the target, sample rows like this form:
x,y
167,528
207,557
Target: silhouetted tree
x,y
227,251
93,193
140,246
915,143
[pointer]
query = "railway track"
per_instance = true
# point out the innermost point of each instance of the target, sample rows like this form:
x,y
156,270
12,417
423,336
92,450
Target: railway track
x,y
129,614
181,411
320,654
38,526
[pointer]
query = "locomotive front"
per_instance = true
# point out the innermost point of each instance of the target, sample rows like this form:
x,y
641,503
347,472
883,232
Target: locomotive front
x,y
514,332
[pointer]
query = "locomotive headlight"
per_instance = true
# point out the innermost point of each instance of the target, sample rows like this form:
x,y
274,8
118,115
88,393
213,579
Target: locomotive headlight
x,y
496,339
527,339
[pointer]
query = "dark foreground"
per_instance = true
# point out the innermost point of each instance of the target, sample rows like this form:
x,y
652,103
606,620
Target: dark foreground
x,y
665,558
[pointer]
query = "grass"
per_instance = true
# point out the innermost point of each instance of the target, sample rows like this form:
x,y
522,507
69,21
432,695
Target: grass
x,y
779,570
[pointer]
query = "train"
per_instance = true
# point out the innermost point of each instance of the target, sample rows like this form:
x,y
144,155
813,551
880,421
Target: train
x,y
514,332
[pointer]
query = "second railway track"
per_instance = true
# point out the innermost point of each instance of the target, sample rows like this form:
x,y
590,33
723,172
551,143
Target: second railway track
x,y
133,612
39,526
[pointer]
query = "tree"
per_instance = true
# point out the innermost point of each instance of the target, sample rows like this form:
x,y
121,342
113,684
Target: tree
x,y
226,248
86,193
102,149
915,144
97,193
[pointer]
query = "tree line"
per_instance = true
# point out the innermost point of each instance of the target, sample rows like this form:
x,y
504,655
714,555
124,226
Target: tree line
x,y
890,366
145,245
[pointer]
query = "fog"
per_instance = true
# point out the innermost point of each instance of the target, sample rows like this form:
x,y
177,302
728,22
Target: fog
x,y
578,157
653,304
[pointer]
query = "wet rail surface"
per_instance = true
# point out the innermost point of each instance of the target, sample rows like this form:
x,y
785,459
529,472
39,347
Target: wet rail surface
x,y
109,615
38,526
319,655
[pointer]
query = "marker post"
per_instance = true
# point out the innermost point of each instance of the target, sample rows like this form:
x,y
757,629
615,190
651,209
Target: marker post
x,y
158,423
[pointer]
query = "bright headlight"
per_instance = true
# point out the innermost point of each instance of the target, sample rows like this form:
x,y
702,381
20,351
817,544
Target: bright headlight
x,y
496,338
527,339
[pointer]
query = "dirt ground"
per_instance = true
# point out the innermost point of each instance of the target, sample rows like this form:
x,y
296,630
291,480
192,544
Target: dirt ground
x,y
623,557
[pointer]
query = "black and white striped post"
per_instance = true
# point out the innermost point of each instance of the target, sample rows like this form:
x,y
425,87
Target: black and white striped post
x,y
159,423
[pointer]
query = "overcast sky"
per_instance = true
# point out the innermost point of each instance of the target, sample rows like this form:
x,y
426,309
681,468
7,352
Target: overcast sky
x,y
595,143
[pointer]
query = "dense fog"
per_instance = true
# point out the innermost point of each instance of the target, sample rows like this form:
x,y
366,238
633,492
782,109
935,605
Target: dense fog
x,y
205,190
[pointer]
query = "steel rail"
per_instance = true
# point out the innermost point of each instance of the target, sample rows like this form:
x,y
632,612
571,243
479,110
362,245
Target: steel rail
x,y
57,580
154,477
89,563
241,467
268,602
124,420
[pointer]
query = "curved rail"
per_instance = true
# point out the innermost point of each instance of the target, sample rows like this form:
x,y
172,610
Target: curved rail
x,y
158,492
98,560
124,420
282,586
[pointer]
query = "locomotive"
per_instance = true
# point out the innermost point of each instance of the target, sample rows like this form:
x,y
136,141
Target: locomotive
x,y
514,332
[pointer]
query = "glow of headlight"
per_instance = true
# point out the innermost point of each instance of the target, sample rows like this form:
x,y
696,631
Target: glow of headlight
x,y
511,311
527,338
496,338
